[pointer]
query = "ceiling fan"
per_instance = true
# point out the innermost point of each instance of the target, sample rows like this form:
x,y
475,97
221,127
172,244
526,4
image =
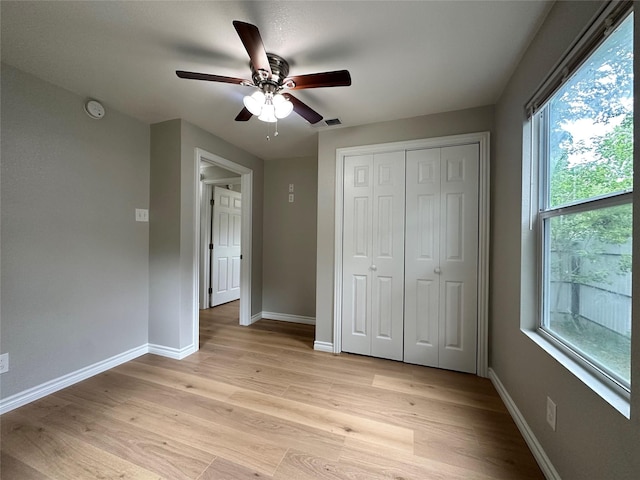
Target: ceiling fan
x,y
270,75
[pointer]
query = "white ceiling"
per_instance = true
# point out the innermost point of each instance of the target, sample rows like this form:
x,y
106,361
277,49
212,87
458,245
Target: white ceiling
x,y
406,58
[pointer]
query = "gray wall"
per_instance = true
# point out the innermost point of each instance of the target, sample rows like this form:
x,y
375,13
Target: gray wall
x,y
450,123
74,261
164,235
173,227
289,276
192,137
592,441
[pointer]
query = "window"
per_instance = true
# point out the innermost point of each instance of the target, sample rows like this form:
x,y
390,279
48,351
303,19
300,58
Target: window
x,y
584,128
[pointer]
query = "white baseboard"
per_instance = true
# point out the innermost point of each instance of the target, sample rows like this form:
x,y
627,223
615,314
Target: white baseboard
x,y
538,452
285,317
323,346
255,318
170,352
52,386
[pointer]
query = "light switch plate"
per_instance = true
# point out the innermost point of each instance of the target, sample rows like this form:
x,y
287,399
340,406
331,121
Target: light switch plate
x,y
4,363
142,215
291,188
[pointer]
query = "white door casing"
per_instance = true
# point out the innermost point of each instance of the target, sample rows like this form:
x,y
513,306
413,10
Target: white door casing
x,y
225,259
482,141
374,252
441,257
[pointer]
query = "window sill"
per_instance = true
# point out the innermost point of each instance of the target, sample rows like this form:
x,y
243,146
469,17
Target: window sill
x,y
606,392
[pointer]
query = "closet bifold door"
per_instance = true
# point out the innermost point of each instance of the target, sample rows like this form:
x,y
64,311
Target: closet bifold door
x,y
373,255
441,264
422,257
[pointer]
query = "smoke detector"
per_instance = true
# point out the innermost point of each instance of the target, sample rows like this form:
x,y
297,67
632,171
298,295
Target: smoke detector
x,y
94,109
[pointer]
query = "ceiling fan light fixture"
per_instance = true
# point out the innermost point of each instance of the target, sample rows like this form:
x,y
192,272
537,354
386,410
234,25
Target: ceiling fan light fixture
x,y
283,107
254,102
268,113
268,108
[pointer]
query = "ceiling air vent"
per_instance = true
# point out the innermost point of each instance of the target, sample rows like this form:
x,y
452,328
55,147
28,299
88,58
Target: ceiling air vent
x,y
333,121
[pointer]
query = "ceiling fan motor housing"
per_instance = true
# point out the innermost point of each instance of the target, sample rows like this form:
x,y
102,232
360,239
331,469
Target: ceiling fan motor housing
x,y
279,71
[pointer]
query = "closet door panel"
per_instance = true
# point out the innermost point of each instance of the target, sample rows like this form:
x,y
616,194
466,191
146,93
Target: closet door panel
x,y
383,295
422,283
387,266
357,254
453,317
360,305
459,257
454,217
426,299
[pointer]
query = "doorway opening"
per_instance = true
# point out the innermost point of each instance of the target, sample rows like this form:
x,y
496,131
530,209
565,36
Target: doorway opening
x,y
202,157
220,233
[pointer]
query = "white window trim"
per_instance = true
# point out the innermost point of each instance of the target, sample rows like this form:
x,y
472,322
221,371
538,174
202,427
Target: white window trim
x,y
607,388
615,396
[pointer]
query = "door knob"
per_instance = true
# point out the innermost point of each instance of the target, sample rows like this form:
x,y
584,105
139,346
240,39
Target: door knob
x,y
437,270
373,268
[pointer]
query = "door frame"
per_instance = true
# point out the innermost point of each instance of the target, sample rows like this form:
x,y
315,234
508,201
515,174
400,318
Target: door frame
x,y
204,262
246,182
482,139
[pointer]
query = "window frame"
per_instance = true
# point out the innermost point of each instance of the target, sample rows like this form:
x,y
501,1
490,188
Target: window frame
x,y
602,372
609,19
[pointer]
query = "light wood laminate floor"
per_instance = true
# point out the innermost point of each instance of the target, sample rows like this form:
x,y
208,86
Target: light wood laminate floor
x,y
259,403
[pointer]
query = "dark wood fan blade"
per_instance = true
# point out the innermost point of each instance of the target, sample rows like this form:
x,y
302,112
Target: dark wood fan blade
x,y
210,78
252,41
244,115
304,110
339,78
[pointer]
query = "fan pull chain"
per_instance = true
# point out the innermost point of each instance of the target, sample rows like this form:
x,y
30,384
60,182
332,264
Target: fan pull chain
x,y
275,134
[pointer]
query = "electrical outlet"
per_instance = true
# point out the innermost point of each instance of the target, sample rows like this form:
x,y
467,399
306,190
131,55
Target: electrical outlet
x,y
291,198
551,414
142,215
4,363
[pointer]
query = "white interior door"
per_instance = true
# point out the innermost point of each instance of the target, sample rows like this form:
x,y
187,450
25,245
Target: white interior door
x,y
373,253
442,257
422,281
227,220
459,258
